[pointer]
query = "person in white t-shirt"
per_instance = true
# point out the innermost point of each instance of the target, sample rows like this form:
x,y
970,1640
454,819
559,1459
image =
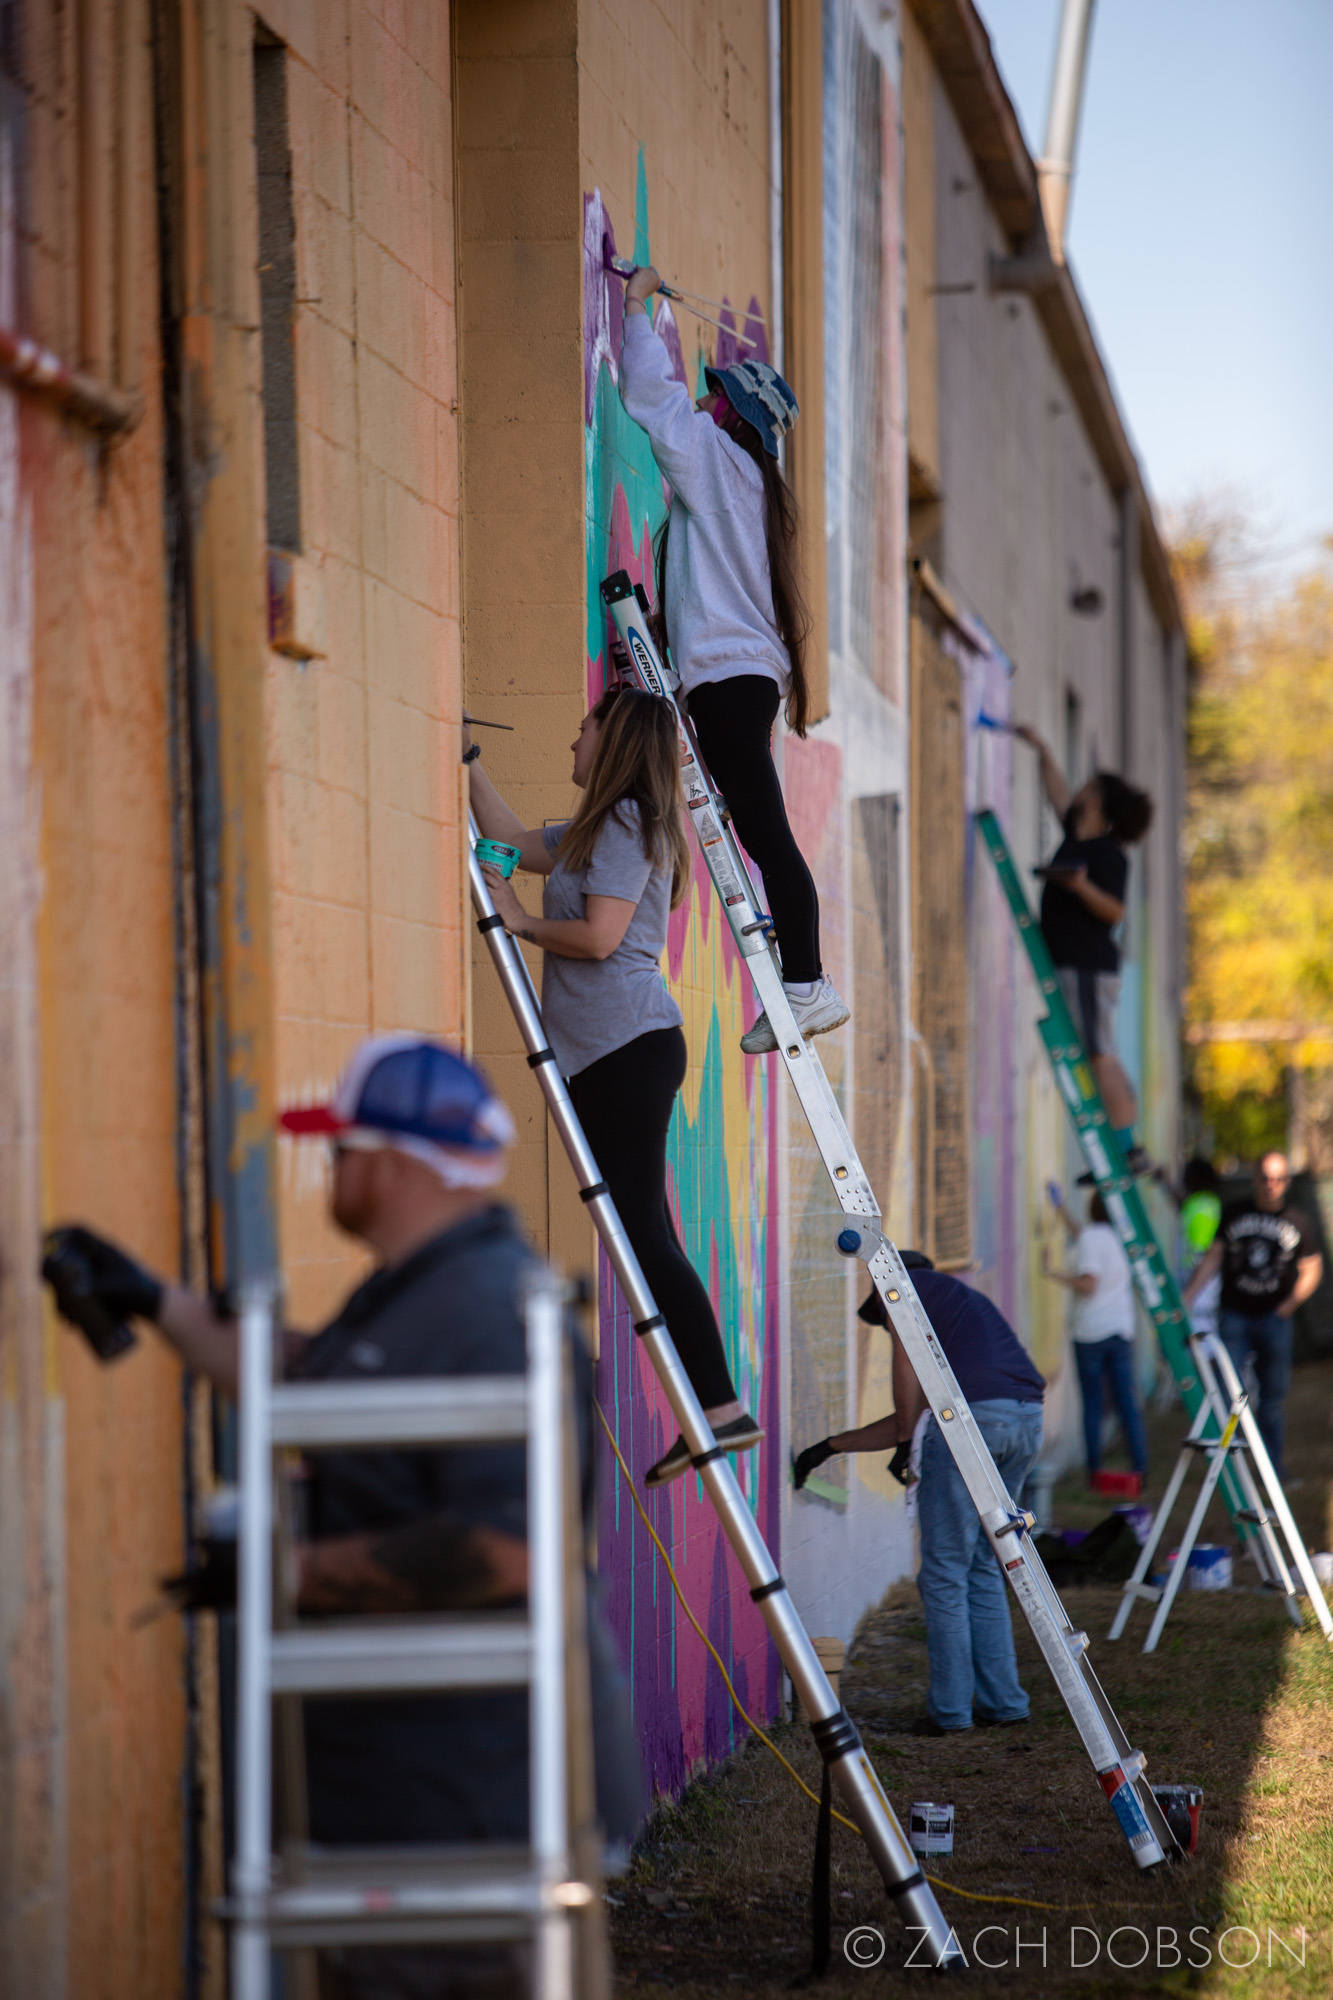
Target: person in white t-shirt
x,y
1102,1330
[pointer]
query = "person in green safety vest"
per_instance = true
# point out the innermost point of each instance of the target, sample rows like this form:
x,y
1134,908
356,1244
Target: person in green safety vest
x,y
1200,1215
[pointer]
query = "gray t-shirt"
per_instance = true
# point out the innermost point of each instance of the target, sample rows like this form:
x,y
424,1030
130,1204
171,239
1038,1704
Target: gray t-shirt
x,y
590,1005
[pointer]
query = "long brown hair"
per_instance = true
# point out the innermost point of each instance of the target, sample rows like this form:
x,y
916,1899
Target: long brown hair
x,y
637,759
782,531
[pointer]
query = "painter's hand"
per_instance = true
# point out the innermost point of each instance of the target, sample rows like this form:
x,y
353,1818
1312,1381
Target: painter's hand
x,y
810,1461
506,902
641,286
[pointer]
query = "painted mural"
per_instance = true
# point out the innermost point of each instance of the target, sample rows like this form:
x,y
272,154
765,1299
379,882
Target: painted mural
x,y
721,1161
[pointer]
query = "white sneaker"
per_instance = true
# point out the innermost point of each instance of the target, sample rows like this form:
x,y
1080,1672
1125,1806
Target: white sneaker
x,y
824,1010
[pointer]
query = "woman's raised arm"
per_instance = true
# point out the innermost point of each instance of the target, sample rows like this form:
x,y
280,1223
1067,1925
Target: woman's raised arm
x,y
499,821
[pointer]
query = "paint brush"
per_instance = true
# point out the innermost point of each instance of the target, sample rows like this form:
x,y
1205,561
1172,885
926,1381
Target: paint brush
x,y
621,267
480,722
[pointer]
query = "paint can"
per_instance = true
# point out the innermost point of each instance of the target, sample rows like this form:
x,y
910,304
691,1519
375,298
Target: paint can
x,y
1140,1520
499,854
1209,1566
1322,1565
1181,1806
930,1828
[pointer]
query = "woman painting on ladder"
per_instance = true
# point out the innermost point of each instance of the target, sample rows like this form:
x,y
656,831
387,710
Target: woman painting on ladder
x,y
729,595
613,874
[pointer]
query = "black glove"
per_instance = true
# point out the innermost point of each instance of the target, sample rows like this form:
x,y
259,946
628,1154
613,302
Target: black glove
x,y
208,1585
97,1288
810,1461
872,1311
901,1460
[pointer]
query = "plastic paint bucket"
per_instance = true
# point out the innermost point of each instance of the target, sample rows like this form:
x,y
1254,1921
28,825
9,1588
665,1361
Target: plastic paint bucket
x,y
1181,1806
1209,1566
930,1828
1140,1520
499,854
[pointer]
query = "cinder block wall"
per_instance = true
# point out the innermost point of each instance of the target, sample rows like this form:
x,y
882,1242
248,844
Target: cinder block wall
x,y
364,790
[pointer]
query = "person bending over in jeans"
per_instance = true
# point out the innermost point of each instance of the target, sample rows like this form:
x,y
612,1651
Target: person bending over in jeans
x,y
1102,1330
613,874
729,600
1268,1256
969,1638
1082,902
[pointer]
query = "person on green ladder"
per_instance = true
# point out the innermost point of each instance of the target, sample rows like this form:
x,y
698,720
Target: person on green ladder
x,y
1082,902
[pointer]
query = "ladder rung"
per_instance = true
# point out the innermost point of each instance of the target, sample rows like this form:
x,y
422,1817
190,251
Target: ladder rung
x,y
1255,1514
408,1410
1149,1590
369,1656
389,1896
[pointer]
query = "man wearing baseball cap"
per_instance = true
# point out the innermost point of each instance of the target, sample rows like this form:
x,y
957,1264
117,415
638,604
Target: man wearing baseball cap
x,y
418,1143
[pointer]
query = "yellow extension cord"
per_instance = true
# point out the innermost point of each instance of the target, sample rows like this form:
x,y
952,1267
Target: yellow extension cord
x,y
971,1894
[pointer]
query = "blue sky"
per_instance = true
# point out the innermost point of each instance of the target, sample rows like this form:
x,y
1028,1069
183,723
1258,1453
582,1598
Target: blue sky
x,y
1201,233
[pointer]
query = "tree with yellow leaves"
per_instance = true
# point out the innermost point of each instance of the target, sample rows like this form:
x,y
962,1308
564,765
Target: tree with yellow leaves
x,y
1259,830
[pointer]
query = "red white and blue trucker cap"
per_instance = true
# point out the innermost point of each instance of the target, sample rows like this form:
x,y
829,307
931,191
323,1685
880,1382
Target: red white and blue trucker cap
x,y
407,1087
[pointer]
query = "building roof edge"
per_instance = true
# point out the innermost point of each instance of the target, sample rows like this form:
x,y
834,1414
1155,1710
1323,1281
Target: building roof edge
x,y
961,51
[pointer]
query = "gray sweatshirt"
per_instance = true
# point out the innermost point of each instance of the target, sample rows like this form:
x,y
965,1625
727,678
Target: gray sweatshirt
x,y
719,596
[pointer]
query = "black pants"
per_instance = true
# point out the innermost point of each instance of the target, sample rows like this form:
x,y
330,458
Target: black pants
x,y
624,1103
733,721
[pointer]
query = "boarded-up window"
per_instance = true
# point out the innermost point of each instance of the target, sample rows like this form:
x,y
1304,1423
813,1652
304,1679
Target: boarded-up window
x,y
877,1008
939,947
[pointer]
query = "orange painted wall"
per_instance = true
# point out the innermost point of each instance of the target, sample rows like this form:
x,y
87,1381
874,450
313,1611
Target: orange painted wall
x,y
363,737
100,1859
362,809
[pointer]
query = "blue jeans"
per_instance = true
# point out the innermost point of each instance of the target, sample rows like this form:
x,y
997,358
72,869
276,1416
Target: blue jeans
x,y
1096,1359
968,1633
1270,1341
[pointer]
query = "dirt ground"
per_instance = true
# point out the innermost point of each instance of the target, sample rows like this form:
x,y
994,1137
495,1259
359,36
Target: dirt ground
x,y
1234,1700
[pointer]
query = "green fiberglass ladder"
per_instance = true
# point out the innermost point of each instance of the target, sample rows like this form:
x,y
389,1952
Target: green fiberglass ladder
x,y
1208,1408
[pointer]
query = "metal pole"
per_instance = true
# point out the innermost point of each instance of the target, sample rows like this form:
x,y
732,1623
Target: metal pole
x,y
251,1869
1055,170
546,1599
839,1743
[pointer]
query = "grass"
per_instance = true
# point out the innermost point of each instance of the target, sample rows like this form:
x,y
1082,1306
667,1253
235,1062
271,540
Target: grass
x,y
1234,1700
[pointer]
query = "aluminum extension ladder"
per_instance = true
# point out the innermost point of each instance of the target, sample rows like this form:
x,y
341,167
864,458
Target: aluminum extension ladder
x,y
380,1896
1153,1279
1119,1768
1236,1439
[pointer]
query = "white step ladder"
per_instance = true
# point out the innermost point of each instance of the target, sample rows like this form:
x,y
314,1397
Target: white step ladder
x,y
412,1895
1236,1440
1120,1770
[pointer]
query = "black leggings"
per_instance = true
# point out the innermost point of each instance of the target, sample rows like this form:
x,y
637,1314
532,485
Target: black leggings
x,y
624,1104
733,720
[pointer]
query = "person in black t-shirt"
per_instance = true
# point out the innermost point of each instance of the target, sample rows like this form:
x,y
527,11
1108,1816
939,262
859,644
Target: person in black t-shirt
x,y
1270,1262
1082,902
968,1634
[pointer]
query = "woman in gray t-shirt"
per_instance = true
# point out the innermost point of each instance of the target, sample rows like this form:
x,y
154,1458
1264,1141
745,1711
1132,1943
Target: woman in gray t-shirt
x,y
613,875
